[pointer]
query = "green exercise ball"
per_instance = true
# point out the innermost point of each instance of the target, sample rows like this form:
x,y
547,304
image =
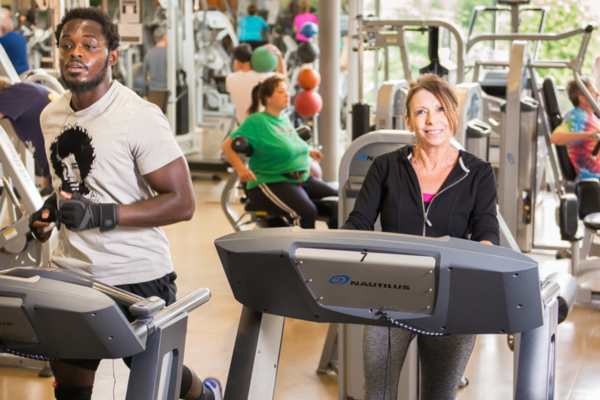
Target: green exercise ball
x,y
263,60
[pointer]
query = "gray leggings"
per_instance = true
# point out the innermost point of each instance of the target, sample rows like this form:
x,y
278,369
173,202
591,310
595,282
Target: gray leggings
x,y
443,361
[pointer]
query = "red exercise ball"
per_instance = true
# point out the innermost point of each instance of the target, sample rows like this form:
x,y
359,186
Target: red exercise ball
x,y
309,78
308,103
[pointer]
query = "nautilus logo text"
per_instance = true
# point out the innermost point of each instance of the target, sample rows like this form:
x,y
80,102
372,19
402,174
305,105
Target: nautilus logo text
x,y
339,279
364,157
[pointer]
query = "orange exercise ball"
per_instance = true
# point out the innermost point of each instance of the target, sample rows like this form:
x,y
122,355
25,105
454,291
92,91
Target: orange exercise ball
x,y
309,78
308,103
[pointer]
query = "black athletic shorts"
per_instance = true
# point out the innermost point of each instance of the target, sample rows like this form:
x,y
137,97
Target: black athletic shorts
x,y
164,288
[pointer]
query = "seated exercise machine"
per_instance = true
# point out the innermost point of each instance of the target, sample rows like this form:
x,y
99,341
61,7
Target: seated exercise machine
x,y
50,314
430,286
583,205
267,215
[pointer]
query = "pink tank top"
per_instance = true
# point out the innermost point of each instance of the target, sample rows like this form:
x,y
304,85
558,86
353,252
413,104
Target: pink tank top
x,y
428,196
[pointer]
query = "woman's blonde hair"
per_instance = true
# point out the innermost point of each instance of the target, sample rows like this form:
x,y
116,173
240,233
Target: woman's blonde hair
x,y
442,91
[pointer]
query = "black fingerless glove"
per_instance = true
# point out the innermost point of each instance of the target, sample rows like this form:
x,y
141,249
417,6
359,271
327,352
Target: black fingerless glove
x,y
79,214
50,205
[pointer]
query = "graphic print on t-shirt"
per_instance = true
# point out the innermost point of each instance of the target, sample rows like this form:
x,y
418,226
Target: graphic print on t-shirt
x,y
72,156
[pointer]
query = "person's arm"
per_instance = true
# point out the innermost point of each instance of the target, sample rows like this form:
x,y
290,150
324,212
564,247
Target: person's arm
x,y
561,138
173,203
484,221
236,162
368,203
1,115
316,155
575,121
344,54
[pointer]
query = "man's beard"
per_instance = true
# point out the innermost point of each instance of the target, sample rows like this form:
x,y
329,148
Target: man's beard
x,y
82,87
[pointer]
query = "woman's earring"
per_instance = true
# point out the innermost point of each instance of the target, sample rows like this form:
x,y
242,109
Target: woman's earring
x,y
415,139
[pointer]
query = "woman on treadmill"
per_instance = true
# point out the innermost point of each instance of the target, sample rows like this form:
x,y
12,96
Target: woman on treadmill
x,y
426,189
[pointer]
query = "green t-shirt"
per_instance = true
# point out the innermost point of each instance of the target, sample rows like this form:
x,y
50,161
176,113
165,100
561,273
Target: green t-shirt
x,y
276,149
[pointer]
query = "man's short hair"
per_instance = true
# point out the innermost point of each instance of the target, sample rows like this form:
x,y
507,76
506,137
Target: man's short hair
x,y
159,33
574,91
243,52
109,29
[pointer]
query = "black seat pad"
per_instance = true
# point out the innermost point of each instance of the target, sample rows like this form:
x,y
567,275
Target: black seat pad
x,y
592,221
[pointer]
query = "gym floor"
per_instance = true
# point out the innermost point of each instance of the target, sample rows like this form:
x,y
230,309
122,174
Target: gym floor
x,y
212,329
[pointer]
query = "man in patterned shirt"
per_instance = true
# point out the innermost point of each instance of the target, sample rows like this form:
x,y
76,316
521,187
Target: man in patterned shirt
x,y
580,131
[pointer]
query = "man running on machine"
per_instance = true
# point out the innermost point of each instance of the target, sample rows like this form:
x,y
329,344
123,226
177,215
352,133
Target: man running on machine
x,y
137,182
580,131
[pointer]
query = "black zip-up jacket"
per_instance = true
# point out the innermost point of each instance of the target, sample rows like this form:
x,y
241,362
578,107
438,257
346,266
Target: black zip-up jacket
x,y
464,207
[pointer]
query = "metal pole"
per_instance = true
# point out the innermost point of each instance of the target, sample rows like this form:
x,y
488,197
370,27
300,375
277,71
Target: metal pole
x,y
354,8
329,67
171,21
58,11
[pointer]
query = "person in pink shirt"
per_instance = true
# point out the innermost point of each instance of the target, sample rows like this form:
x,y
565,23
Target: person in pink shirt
x,y
302,18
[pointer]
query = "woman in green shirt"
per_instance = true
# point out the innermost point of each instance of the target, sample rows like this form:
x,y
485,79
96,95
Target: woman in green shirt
x,y
278,173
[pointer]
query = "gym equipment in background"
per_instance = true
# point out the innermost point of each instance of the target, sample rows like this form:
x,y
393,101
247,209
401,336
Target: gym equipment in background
x,y
17,246
391,105
37,304
524,140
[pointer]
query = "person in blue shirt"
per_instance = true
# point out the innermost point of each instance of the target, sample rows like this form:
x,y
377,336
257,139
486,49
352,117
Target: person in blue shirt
x,y
23,103
13,42
251,28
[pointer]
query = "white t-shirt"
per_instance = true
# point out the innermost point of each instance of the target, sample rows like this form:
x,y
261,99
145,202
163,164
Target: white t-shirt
x,y
102,152
239,85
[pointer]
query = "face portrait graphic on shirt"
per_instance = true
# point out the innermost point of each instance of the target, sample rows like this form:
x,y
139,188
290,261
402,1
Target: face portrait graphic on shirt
x,y
72,156
70,173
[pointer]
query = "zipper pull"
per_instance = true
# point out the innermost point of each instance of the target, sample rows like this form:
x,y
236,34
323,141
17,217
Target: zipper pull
x,y
427,221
